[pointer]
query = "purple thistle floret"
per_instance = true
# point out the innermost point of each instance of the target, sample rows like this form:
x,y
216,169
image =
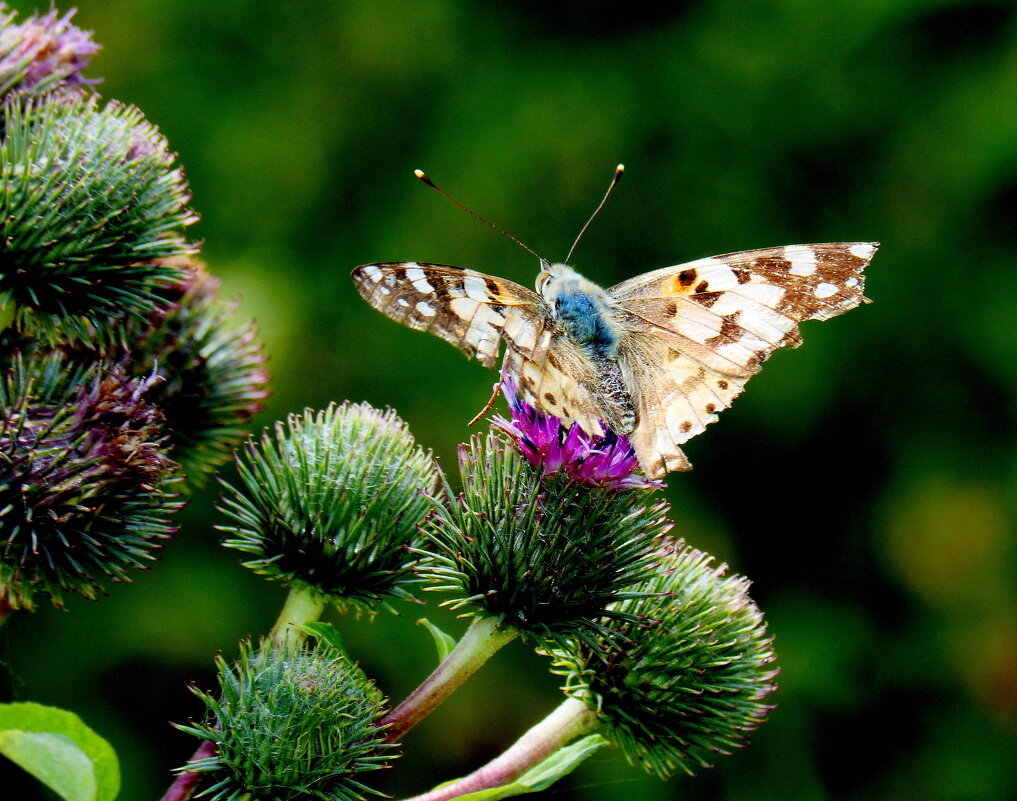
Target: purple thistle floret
x,y
44,51
549,445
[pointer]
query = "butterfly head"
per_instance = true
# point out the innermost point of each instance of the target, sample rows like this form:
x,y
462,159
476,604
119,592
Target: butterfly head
x,y
554,279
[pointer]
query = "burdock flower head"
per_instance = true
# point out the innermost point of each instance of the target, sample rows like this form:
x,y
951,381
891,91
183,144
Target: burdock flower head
x,y
83,478
694,675
291,724
331,502
42,53
215,378
546,555
551,446
93,210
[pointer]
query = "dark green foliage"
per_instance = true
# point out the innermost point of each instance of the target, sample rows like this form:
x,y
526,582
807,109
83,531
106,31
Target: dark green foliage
x,y
546,556
332,501
291,724
695,675
83,479
92,206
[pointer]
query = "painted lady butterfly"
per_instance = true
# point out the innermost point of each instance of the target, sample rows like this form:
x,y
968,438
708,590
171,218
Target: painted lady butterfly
x,y
655,357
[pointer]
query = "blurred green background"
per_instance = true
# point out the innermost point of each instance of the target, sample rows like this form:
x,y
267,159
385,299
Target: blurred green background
x,y
866,483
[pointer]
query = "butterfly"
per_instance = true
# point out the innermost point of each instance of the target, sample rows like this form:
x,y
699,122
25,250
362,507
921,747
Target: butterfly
x,y
655,357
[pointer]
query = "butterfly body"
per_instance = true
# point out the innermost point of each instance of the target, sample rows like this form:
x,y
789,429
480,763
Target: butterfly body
x,y
655,357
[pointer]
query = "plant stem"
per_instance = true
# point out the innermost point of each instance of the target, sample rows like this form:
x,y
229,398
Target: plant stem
x,y
481,640
302,606
571,719
186,783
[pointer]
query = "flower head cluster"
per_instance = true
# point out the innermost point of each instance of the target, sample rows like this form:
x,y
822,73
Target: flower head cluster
x,y
694,675
549,445
83,479
291,724
42,53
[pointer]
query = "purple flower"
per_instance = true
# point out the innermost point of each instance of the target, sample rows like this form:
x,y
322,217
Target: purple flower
x,y
42,52
607,461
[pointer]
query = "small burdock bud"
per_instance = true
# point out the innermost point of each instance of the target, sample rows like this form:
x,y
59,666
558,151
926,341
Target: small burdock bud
x,y
91,208
83,478
546,555
289,724
694,678
42,54
331,502
214,372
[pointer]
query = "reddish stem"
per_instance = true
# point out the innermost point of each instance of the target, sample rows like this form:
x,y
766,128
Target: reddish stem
x,y
187,783
570,720
478,644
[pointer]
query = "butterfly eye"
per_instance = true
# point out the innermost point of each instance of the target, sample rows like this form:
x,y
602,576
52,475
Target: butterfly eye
x,y
543,277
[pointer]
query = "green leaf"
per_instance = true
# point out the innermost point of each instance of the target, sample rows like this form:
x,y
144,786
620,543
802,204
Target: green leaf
x,y
56,747
327,635
442,641
544,774
54,760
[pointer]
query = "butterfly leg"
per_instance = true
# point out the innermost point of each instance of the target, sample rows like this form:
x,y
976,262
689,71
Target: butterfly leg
x,y
490,403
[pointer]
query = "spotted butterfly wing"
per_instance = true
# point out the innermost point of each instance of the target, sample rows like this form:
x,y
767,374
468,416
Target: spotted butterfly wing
x,y
474,312
696,332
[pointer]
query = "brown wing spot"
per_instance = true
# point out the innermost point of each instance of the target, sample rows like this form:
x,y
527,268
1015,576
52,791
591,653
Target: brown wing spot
x,y
706,299
671,309
743,275
553,360
550,399
757,359
680,283
711,408
772,264
686,427
702,286
730,331
565,411
722,383
729,328
672,354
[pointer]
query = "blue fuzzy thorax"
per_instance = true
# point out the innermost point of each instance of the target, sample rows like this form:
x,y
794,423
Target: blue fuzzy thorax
x,y
582,308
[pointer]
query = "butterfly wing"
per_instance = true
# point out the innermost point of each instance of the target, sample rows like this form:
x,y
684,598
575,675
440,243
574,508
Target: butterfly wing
x,y
474,312
698,331
471,310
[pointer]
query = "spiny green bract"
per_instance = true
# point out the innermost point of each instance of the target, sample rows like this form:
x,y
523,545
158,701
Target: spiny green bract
x,y
83,479
291,724
332,501
91,208
547,556
694,678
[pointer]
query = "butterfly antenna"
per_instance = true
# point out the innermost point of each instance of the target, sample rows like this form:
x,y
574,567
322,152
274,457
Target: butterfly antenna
x,y
618,171
423,177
